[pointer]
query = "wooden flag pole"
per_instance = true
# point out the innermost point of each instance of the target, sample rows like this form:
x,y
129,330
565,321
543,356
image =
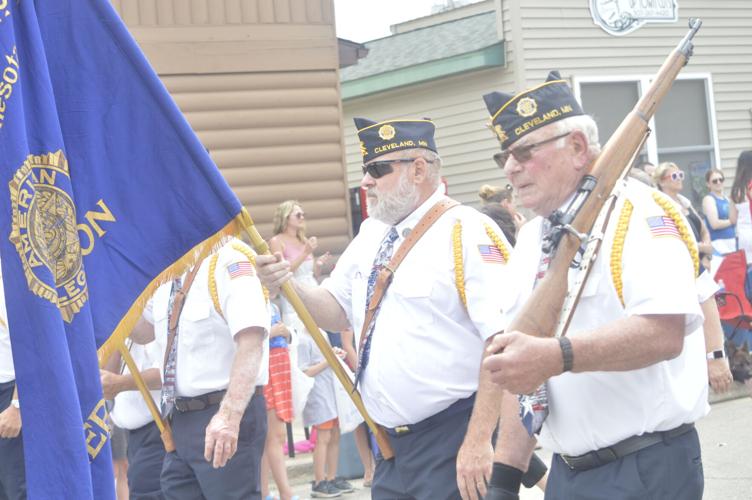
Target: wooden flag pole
x,y
263,249
164,428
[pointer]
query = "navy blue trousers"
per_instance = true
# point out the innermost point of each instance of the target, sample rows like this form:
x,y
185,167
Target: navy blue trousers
x,y
145,457
424,466
671,470
186,475
12,469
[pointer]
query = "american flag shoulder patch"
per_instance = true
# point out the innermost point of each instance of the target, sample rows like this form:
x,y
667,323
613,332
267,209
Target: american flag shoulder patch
x,y
238,269
490,253
661,225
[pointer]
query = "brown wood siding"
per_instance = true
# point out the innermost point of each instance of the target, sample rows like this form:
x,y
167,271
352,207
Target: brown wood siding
x,y
560,34
257,80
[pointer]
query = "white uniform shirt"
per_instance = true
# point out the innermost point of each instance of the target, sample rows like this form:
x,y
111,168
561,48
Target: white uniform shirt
x,y
130,410
426,347
6,357
592,410
206,345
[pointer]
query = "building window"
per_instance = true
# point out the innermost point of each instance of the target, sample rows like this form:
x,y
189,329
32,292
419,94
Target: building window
x,y
683,129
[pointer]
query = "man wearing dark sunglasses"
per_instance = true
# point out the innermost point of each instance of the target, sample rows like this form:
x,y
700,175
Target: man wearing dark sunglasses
x,y
420,356
622,390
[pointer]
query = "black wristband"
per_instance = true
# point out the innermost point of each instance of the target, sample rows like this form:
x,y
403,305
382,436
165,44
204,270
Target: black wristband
x,y
535,471
566,353
506,477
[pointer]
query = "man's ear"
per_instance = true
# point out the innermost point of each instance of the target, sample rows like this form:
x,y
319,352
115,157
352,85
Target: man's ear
x,y
420,170
578,142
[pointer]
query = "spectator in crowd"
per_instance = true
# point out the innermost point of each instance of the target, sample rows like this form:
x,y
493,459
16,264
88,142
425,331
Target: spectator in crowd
x,y
321,411
12,467
278,395
720,214
741,194
291,241
670,179
503,219
145,450
504,196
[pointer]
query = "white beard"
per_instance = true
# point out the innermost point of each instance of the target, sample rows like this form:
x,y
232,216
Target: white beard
x,y
393,207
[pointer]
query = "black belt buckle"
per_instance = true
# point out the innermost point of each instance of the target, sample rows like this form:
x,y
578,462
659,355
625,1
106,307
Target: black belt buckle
x,y
189,404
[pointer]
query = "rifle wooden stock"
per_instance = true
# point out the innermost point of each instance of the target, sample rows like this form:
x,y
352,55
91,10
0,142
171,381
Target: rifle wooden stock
x,y
263,249
540,313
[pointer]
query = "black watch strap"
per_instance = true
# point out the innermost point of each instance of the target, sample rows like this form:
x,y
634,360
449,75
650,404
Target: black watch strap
x,y
566,353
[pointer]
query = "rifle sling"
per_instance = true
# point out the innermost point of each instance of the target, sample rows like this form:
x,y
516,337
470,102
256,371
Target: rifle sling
x,y
177,308
386,274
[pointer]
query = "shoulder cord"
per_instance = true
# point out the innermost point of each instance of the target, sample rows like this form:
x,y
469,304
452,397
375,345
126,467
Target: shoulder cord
x,y
617,248
459,268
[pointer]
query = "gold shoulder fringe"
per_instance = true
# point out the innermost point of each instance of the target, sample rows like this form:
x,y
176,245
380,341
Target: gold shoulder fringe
x,y
617,249
459,267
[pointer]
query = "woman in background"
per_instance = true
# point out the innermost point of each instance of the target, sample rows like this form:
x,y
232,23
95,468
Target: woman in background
x,y
490,195
741,193
720,214
290,240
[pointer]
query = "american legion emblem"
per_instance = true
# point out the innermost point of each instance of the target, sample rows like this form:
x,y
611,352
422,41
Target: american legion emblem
x,y
45,232
526,107
386,132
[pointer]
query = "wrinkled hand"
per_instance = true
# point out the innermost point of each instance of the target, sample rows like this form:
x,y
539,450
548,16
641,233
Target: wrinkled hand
x,y
110,384
324,260
10,422
474,466
311,244
340,353
719,375
221,441
521,362
273,271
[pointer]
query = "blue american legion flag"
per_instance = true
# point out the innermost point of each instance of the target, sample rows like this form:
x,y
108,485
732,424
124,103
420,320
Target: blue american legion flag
x,y
661,225
106,193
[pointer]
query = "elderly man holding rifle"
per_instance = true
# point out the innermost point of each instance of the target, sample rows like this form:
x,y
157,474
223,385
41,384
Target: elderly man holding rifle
x,y
616,391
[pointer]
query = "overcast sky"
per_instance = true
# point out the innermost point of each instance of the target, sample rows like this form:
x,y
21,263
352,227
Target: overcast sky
x,y
363,20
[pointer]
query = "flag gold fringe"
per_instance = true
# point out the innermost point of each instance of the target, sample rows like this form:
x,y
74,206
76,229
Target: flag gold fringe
x,y
177,268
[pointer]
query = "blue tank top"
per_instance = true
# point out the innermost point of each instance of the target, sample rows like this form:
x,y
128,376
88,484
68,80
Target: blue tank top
x,y
722,207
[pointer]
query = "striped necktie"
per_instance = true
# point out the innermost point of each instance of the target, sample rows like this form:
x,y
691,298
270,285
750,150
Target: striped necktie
x,y
170,368
382,258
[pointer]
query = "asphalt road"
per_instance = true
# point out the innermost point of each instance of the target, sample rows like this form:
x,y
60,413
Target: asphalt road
x,y
726,437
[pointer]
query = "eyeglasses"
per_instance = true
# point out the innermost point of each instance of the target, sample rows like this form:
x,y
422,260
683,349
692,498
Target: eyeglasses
x,y
299,215
378,169
523,153
717,180
677,176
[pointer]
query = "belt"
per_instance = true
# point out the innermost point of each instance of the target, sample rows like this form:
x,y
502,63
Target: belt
x,y
456,407
596,458
204,401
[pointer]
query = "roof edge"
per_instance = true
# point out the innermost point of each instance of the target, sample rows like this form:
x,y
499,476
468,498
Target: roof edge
x,y
493,55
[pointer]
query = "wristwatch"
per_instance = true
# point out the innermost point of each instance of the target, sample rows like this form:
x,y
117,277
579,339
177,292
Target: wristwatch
x,y
14,403
717,354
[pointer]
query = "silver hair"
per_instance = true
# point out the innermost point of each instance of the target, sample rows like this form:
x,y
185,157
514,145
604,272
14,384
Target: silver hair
x,y
584,123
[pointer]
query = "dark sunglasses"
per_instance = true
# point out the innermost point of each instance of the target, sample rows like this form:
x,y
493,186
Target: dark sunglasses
x,y
378,169
523,153
717,180
299,215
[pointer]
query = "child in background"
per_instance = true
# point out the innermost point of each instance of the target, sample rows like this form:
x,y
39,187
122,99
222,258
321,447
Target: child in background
x,y
278,395
321,411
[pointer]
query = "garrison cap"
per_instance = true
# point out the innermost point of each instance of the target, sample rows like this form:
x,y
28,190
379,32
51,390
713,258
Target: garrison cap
x,y
513,116
380,138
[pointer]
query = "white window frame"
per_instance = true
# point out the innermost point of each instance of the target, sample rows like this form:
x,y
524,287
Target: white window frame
x,y
643,82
